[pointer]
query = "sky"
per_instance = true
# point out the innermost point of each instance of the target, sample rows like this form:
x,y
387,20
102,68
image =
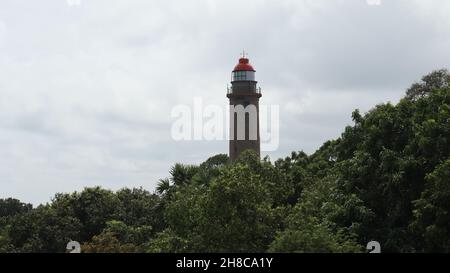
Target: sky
x,y
87,86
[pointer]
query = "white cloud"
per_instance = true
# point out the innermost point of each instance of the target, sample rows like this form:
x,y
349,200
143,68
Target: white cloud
x,y
3,33
86,91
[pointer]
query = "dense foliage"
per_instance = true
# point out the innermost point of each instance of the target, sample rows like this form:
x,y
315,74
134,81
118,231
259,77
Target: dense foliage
x,y
387,178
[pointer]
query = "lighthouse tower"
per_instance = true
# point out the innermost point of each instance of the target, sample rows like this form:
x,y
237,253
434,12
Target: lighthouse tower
x,y
244,97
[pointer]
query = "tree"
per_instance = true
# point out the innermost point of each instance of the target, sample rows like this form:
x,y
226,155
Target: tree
x,y
386,178
238,213
385,157
5,241
133,235
432,211
234,213
10,207
163,186
92,207
168,241
439,79
312,237
107,243
138,208
42,230
130,214
279,187
324,220
210,169
182,174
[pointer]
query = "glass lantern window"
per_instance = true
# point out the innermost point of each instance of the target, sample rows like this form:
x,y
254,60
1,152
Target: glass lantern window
x,y
243,76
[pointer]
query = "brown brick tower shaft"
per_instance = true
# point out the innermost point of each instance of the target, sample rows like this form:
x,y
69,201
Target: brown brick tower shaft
x,y
244,97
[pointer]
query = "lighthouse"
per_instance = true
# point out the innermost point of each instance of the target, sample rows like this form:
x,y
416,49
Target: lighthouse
x,y
244,95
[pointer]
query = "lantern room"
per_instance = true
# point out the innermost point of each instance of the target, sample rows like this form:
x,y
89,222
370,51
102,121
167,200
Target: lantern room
x,y
243,71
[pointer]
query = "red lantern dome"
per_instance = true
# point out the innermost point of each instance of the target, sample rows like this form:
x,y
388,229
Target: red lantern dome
x,y
244,65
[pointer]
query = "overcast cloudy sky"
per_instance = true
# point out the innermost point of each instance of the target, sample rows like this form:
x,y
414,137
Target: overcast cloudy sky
x,y
86,90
